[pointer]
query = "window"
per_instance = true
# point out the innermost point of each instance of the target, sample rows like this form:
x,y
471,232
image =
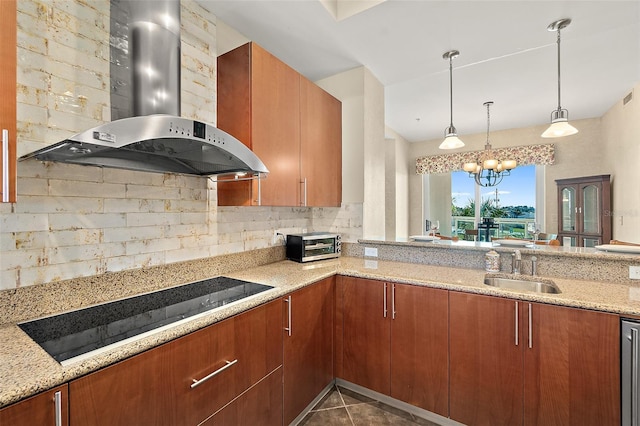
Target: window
x,y
511,203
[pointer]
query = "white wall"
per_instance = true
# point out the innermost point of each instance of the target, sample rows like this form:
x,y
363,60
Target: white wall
x,y
621,143
397,172
363,162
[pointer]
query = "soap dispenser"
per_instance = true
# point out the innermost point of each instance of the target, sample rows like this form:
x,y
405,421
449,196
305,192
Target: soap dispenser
x,y
492,261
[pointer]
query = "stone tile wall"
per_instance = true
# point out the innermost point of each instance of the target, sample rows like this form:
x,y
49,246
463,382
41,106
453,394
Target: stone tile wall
x,y
74,221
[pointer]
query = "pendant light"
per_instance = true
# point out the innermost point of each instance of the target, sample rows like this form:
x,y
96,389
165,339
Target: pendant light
x,y
560,117
451,140
489,171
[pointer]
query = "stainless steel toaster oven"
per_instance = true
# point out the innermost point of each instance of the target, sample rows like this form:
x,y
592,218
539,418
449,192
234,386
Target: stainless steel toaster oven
x,y
313,246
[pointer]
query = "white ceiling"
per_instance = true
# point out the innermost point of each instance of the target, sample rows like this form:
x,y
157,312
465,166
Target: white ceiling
x,y
506,55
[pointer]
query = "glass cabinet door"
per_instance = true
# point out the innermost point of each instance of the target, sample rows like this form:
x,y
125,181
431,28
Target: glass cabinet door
x,y
569,209
591,209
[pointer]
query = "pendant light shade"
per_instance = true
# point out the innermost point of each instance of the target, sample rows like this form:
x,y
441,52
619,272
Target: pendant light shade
x,y
451,140
560,117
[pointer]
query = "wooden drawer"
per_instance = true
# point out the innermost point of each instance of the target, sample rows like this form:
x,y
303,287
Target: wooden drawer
x,y
38,410
260,405
157,385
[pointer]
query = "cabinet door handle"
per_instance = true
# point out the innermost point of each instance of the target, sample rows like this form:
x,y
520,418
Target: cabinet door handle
x,y
288,302
218,371
5,166
517,324
393,301
530,328
384,301
303,202
57,399
635,355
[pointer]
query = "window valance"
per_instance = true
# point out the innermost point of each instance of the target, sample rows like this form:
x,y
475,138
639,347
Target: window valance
x,y
524,155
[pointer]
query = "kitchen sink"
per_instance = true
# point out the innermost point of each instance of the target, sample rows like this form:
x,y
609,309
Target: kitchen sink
x,y
523,284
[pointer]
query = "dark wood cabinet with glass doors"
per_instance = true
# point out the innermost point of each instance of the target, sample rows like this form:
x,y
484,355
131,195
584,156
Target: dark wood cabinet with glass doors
x,y
584,211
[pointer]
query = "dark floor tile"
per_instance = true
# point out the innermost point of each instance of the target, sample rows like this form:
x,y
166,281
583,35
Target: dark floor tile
x,y
350,397
330,400
370,414
331,417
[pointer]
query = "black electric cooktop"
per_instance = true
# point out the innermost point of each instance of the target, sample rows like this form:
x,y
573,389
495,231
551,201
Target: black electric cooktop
x,y
71,334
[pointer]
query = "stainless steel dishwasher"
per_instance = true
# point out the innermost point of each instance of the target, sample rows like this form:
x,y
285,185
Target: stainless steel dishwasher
x,y
630,349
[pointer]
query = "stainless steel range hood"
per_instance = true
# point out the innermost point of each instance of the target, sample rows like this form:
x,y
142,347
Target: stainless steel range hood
x,y
156,138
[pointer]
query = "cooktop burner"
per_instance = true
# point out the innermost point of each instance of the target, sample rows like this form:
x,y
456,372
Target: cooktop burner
x,y
69,335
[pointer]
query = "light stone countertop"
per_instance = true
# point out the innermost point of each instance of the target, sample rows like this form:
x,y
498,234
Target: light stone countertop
x,y
26,369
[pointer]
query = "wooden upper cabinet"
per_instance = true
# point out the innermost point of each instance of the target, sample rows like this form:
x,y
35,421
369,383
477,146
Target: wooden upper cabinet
x,y
292,125
321,146
8,35
47,408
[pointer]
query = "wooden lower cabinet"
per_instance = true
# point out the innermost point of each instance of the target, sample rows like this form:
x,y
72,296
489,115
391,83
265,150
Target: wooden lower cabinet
x,y
515,363
419,347
486,373
308,345
572,368
46,408
260,405
393,339
155,387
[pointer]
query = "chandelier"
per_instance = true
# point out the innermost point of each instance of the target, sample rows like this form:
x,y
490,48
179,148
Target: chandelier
x,y
489,171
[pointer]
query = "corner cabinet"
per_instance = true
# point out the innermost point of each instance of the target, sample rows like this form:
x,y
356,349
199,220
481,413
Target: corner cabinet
x,y
291,124
8,35
393,339
584,211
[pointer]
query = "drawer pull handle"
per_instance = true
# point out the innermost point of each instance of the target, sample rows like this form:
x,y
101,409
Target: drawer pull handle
x,y
218,371
57,397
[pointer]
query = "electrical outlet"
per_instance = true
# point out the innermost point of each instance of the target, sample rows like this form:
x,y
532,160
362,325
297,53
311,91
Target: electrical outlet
x,y
634,272
371,252
278,238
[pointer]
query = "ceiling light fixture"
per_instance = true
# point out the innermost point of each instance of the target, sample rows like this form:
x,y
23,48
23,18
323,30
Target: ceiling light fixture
x,y
560,117
488,171
451,140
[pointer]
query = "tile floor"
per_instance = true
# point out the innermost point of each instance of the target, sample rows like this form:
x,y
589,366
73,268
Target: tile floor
x,y
344,407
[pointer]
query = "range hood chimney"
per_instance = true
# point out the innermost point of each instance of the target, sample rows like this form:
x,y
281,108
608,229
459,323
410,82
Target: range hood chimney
x,y
156,138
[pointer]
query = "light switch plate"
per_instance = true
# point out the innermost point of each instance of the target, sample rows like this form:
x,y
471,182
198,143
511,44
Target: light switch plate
x,y
634,272
371,252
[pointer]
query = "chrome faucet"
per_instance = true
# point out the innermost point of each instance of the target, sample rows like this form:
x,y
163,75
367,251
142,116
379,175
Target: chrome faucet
x,y
516,259
534,265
